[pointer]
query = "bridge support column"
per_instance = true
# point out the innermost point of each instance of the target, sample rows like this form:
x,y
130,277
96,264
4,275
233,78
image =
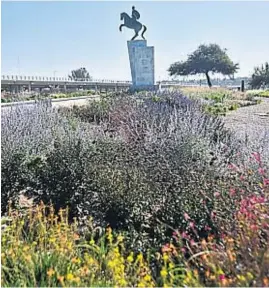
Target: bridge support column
x,y
65,88
116,88
29,87
96,89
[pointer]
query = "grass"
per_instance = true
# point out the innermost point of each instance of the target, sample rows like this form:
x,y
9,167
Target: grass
x,y
258,93
219,101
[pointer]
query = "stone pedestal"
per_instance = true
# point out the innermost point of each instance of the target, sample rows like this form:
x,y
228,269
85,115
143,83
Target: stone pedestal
x,y
142,64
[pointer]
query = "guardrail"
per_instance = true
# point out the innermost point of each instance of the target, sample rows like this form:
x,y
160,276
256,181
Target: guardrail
x,y
58,79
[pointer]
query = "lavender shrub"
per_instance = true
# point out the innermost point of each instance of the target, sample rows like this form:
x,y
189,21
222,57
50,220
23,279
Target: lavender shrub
x,y
154,158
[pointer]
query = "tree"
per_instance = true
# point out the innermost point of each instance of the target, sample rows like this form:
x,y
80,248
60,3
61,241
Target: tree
x,y
206,59
260,77
80,74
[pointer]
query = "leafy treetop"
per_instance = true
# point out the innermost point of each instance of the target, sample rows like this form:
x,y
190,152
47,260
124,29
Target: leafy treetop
x,y
80,74
260,77
207,58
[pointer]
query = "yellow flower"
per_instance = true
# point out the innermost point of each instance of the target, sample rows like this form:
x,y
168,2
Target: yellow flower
x,y
92,242
147,278
25,248
139,257
28,258
75,260
69,277
130,258
165,257
163,273
111,264
249,275
50,272
120,238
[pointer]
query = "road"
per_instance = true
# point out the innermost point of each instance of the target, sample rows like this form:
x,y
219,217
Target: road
x,y
66,102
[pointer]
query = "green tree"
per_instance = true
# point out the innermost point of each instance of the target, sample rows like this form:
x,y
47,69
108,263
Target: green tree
x,y
206,59
80,74
260,77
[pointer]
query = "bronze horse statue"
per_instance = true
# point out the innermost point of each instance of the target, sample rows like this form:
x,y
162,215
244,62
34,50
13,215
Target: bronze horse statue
x,y
132,23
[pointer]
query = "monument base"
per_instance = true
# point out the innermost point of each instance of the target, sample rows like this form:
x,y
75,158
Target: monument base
x,y
142,64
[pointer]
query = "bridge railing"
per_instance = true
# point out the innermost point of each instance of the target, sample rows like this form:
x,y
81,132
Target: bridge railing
x,y
59,79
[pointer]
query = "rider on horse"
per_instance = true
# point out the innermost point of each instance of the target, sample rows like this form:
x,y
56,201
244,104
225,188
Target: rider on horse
x,y
135,13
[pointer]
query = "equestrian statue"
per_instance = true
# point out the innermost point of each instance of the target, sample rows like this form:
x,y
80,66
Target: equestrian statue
x,y
132,23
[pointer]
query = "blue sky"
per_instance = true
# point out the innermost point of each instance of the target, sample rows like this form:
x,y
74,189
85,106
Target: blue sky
x,y
39,38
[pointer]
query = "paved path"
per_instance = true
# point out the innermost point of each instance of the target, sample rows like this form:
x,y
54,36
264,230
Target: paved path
x,y
253,120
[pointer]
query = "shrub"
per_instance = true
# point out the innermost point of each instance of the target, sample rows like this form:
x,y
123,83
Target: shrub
x,y
40,248
151,159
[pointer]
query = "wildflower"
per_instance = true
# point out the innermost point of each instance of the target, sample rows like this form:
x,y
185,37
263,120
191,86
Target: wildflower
x,y
120,238
213,214
207,228
75,260
261,171
266,281
50,272
183,250
76,279
28,258
109,235
249,275
175,234
241,278
165,248
186,216
130,258
192,243
203,243
25,248
92,242
257,157
232,191
69,276
139,257
165,257
265,182
221,277
192,225
216,194
61,279
147,278
163,272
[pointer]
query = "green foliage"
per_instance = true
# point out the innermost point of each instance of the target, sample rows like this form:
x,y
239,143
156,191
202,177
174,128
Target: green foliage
x,y
207,58
135,163
258,93
260,77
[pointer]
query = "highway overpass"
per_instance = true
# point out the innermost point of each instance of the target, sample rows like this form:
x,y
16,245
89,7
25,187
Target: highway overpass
x,y
16,84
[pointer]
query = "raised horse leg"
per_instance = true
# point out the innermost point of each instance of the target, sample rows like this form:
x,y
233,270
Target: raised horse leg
x,y
122,25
